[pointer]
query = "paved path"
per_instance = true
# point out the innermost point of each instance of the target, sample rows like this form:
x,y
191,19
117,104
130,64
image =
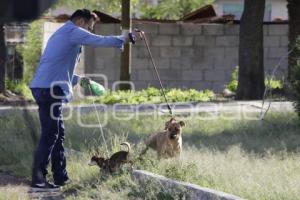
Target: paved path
x,y
178,108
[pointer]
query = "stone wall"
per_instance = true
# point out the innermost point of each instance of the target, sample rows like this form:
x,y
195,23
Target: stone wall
x,y
200,56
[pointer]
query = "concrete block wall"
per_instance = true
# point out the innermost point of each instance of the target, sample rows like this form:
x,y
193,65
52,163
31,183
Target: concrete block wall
x,y
200,56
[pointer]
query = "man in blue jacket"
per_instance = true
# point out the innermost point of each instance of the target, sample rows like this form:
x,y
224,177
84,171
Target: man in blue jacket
x,y
53,84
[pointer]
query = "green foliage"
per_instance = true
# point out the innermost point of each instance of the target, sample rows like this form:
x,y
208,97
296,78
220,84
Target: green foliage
x,y
172,9
297,81
110,7
273,83
31,50
269,82
19,88
153,95
234,80
247,158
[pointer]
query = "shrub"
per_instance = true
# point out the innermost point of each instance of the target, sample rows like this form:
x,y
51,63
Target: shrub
x,y
19,88
153,95
297,81
234,80
269,82
31,50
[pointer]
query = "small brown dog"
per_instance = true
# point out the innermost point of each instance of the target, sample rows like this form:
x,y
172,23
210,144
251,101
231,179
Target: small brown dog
x,y
167,143
114,162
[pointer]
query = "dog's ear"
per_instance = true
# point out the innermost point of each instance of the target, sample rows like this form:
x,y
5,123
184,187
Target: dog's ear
x,y
172,119
182,124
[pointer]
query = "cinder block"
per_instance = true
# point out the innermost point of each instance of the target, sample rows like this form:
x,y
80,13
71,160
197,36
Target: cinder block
x,y
231,52
134,76
169,75
182,41
176,84
214,52
227,41
161,63
112,63
278,29
148,28
272,41
181,63
218,86
200,63
277,52
213,29
192,75
142,52
104,53
271,63
146,75
140,63
169,52
214,75
169,29
99,63
232,29
191,29
226,64
284,41
201,85
161,40
266,51
206,41
108,29
188,52
266,29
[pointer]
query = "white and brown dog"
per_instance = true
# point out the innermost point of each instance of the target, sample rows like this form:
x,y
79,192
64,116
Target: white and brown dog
x,y
167,143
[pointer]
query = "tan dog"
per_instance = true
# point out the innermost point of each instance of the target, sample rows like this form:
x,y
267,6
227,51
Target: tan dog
x,y
167,143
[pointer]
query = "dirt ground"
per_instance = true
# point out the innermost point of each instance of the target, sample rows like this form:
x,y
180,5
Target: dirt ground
x,y
13,187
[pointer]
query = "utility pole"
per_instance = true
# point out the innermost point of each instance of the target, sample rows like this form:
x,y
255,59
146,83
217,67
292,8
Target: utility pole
x,y
125,71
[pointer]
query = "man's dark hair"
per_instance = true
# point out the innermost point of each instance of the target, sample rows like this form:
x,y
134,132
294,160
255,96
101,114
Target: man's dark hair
x,y
85,14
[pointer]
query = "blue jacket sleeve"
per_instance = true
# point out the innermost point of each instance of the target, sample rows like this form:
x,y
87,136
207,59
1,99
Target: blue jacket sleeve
x,y
75,79
83,37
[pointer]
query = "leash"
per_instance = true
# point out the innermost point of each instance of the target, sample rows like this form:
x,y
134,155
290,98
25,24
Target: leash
x,y
162,89
268,89
98,119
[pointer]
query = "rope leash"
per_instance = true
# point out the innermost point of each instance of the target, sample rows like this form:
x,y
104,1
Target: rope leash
x,y
268,89
98,118
162,89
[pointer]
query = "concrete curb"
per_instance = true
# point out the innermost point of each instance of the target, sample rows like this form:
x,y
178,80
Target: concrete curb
x,y
194,192
178,108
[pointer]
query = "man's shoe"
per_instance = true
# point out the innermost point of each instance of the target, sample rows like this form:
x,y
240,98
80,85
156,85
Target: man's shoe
x,y
62,183
44,187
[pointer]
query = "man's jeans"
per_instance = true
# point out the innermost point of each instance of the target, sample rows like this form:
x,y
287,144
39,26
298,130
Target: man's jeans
x,y
50,146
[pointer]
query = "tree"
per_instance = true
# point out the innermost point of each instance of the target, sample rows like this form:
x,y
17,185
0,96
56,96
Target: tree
x,y
109,7
294,32
2,59
172,9
251,56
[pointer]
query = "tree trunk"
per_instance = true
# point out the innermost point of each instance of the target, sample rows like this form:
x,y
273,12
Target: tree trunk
x,y
251,52
294,32
2,59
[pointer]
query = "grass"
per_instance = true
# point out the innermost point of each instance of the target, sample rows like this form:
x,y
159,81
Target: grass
x,y
248,158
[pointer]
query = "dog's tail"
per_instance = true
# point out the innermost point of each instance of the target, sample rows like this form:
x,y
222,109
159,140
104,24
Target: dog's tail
x,y
126,144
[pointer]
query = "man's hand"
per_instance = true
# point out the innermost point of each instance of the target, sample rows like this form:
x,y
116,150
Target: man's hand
x,y
84,81
130,36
